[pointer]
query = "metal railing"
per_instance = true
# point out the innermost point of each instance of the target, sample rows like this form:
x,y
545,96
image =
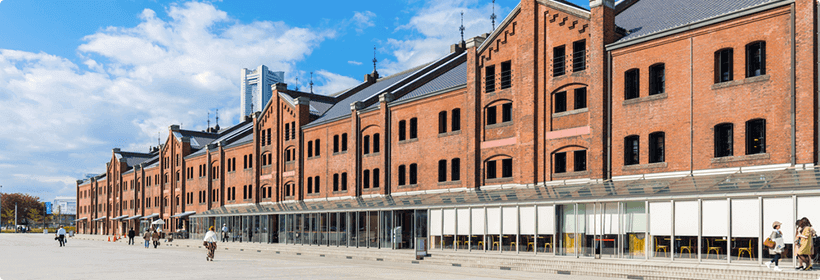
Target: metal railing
x,y
558,66
489,83
579,62
506,79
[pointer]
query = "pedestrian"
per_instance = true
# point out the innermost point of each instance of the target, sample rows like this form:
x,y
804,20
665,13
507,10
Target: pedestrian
x,y
155,238
131,235
61,236
777,237
210,243
224,232
147,238
804,237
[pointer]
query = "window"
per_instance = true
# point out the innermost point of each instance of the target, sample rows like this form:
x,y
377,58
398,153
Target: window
x,y
755,59
335,182
723,140
366,179
335,143
287,190
657,79
366,144
560,163
264,193
402,130
506,168
270,158
558,61
442,122
292,130
344,142
316,184
402,175
318,150
491,170
264,160
414,174
455,119
442,170
491,115
489,79
344,181
560,102
506,75
632,84
414,128
287,131
580,98
723,65
376,143
580,160
631,150
310,148
506,112
579,53
245,192
262,138
656,147
269,136
309,185
376,178
250,161
756,137
455,169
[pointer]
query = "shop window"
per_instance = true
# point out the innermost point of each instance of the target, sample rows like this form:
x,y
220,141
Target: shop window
x,y
723,140
506,112
560,102
632,84
376,143
756,59
402,130
455,119
560,163
366,144
580,98
414,128
657,147
344,142
455,169
414,174
376,178
442,170
657,79
402,175
506,74
579,53
723,65
580,160
558,61
631,150
442,122
489,79
756,136
491,115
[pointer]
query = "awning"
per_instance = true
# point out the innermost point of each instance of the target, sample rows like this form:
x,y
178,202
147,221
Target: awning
x,y
120,217
151,216
182,215
100,218
80,219
133,217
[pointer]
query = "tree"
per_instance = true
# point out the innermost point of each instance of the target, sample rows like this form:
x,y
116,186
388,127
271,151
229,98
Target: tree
x,y
34,215
25,203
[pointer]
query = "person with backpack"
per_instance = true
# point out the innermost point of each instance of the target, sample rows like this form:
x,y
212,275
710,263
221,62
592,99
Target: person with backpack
x,y
775,244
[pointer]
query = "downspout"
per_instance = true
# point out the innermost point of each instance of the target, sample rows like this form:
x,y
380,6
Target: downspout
x,y
691,105
816,85
792,88
608,173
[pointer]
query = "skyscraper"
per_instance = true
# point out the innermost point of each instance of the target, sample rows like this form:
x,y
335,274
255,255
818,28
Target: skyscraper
x,y
255,90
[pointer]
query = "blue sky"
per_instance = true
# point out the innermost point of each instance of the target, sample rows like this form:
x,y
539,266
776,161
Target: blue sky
x,y
78,78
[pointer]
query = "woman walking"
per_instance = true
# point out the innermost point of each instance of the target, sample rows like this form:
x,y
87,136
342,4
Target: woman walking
x,y
155,237
805,234
210,243
777,237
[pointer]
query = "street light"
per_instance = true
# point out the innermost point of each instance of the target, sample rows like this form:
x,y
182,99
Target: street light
x,y
1,210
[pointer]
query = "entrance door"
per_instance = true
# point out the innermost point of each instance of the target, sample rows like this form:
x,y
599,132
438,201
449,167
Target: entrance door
x,y
420,227
403,229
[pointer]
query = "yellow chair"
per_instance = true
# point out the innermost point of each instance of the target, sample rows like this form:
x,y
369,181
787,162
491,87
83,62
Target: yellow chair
x,y
569,242
659,247
709,249
687,248
545,246
481,245
745,249
530,245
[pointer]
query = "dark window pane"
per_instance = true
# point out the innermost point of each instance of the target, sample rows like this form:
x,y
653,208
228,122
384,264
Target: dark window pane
x,y
657,147
491,169
558,61
442,170
657,79
335,143
455,169
580,98
414,174
580,161
723,140
723,65
491,115
579,53
632,84
756,137
506,112
366,144
402,130
631,150
560,163
344,142
318,153
366,179
756,59
344,181
402,174
376,178
489,79
335,182
456,120
506,168
442,122
560,102
506,75
414,128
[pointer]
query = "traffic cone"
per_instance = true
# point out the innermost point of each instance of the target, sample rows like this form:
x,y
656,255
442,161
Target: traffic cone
x,y
109,239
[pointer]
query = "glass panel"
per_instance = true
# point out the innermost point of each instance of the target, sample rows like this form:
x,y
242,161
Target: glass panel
x,y
435,228
746,228
686,233
387,229
343,229
565,214
323,229
420,226
660,228
373,229
781,210
586,235
403,238
509,228
449,227
362,230
634,227
236,230
353,229
714,228
606,229
307,228
297,229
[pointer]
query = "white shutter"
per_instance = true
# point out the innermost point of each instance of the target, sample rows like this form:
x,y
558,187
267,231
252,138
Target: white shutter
x,y
634,217
781,210
660,216
527,219
493,220
510,220
611,218
746,218
478,221
715,217
435,222
449,221
463,217
686,218
546,219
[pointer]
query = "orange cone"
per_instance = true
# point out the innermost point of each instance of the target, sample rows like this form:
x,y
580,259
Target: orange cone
x,y
109,239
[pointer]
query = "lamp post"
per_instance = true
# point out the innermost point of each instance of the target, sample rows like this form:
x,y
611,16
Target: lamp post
x,y
1,210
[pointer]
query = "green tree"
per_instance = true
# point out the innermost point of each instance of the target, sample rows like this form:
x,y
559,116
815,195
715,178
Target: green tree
x,y
34,215
25,203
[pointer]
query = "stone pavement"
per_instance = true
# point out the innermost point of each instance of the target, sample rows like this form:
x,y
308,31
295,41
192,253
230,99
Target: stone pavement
x,y
37,256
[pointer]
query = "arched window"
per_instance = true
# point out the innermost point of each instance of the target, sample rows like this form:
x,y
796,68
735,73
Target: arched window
x,y
414,128
756,136
376,178
366,144
756,59
442,122
344,142
402,175
402,130
723,65
310,148
632,84
632,150
723,140
316,184
344,181
442,170
455,119
657,79
309,185
455,169
657,147
318,148
366,179
414,174
335,143
336,182
376,143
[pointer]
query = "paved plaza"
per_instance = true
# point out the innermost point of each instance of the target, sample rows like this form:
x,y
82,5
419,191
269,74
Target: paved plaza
x,y
37,256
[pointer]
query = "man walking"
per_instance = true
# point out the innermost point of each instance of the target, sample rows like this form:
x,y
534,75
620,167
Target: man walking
x,y
61,236
131,235
147,238
155,237
224,232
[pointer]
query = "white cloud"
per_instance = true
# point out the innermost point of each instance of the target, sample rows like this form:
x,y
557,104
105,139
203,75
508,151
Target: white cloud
x,y
333,83
363,20
354,62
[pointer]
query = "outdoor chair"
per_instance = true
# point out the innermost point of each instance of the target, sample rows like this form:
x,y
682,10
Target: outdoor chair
x,y
748,250
659,247
687,248
709,249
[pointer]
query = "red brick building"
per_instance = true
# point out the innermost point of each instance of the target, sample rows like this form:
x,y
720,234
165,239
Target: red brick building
x,y
524,139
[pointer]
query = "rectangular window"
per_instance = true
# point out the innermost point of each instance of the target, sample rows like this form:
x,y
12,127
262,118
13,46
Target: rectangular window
x,y
455,169
318,149
414,128
560,162
366,179
506,75
632,84
580,98
442,170
579,54
631,150
489,79
506,168
560,102
376,143
335,143
455,118
316,184
310,148
756,137
723,140
491,115
755,59
558,61
250,161
366,144
657,79
344,181
344,142
442,122
414,174
269,136
292,130
402,130
656,147
506,112
723,65
287,131
580,160
402,174
376,178
491,170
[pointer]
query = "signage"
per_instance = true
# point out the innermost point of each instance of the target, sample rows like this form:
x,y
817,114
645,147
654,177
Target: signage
x,y
48,208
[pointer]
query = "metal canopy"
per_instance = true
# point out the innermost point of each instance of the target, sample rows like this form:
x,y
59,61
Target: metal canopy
x,y
151,216
80,219
100,218
120,217
732,184
133,217
185,214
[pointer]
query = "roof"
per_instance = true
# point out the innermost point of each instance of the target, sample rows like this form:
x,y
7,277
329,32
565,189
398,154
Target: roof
x,y
230,136
455,77
199,139
568,3
647,17
132,159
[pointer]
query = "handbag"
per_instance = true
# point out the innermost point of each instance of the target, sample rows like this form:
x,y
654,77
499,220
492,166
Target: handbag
x,y
769,243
